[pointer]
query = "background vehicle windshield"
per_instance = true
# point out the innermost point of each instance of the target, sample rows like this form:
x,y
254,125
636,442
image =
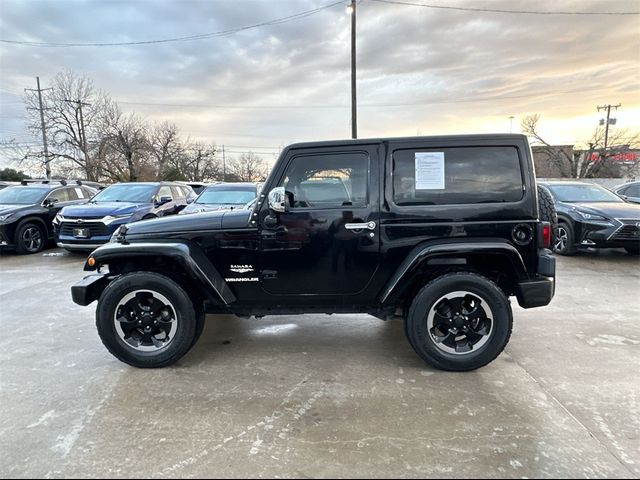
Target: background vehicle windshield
x,y
126,193
22,195
226,196
583,193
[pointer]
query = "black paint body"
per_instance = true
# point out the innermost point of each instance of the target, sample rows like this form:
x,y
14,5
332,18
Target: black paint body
x,y
259,262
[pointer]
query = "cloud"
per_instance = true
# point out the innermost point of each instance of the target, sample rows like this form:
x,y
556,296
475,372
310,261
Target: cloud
x,y
433,71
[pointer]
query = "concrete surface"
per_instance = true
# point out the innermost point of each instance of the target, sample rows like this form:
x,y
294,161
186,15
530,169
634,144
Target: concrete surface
x,y
321,396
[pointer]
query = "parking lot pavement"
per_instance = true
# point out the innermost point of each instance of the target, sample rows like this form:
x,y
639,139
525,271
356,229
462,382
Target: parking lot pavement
x,y
322,396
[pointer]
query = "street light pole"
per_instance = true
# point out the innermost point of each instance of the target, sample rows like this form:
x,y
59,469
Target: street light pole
x,y
351,9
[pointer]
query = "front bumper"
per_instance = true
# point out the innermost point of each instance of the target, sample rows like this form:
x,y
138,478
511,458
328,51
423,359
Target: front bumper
x,y
624,233
6,238
96,233
79,247
89,288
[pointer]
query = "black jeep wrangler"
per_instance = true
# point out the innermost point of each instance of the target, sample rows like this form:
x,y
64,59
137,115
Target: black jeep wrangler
x,y
439,231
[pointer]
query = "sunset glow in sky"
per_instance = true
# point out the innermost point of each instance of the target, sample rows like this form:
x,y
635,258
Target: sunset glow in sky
x,y
420,70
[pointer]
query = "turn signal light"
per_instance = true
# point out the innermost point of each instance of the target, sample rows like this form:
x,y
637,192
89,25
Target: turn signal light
x,y
546,235
91,262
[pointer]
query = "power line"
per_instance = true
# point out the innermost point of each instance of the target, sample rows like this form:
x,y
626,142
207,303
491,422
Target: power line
x,y
409,104
203,36
497,10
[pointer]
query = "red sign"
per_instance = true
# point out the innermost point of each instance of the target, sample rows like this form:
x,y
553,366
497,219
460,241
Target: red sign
x,y
624,157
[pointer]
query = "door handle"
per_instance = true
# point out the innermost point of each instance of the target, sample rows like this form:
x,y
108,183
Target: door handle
x,y
360,226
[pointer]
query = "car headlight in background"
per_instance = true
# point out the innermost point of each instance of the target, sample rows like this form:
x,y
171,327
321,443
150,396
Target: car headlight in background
x,y
114,237
4,218
592,217
112,218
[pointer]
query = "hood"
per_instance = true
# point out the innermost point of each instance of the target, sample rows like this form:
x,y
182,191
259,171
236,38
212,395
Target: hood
x,y
12,208
609,209
189,223
102,209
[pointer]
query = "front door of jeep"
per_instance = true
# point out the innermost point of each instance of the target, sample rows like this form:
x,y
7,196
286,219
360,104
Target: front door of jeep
x,y
326,242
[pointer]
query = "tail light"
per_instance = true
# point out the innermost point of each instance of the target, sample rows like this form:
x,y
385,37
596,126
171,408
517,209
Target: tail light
x,y
545,229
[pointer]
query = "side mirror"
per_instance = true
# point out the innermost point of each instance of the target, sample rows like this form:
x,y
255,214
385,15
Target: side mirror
x,y
165,199
277,200
50,202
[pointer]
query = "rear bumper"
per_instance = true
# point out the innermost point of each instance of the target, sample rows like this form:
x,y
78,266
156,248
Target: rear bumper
x,y
539,291
89,288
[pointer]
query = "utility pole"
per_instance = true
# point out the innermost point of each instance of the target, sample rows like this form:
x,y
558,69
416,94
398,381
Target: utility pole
x,y
82,132
351,9
511,117
224,166
609,121
47,166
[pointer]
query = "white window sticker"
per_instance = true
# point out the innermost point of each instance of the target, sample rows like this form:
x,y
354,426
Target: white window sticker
x,y
429,170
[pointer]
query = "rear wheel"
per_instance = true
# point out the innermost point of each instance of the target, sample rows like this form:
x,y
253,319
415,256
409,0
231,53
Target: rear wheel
x,y
564,244
146,320
30,238
459,322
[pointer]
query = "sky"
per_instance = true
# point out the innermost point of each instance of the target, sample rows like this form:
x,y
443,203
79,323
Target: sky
x,y
421,71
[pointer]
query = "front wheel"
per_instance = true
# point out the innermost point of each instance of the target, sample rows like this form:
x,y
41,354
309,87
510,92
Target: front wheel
x,y
459,322
564,242
146,320
30,238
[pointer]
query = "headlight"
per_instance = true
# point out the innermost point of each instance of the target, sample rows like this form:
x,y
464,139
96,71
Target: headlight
x,y
3,218
592,217
112,218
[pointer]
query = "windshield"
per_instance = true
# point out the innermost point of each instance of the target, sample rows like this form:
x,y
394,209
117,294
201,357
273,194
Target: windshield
x,y
226,196
583,193
22,195
126,192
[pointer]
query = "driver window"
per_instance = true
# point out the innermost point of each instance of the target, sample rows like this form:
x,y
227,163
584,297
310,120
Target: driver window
x,y
327,181
61,195
164,192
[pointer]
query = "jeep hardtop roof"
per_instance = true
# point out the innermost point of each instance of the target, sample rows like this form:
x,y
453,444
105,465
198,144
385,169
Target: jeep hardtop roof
x,y
507,137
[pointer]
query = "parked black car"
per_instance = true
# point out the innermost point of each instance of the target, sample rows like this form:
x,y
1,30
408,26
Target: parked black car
x,y
629,191
437,231
27,212
592,216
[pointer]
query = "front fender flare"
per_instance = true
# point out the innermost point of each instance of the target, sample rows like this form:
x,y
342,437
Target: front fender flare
x,y
188,255
456,248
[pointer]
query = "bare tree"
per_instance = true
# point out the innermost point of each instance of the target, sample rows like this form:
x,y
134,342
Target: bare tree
x,y
124,147
71,111
200,163
165,147
592,161
248,167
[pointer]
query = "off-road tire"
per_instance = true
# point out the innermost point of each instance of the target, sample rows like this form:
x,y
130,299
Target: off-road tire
x,y
547,211
187,329
420,338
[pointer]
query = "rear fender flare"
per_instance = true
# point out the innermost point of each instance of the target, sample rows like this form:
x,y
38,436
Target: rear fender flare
x,y
451,249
